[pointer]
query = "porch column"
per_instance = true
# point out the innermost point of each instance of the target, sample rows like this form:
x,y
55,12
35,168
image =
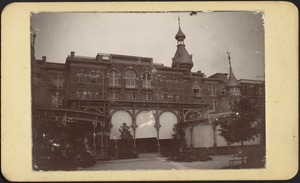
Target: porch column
x,y
191,135
134,126
106,140
102,147
94,136
157,126
215,135
158,144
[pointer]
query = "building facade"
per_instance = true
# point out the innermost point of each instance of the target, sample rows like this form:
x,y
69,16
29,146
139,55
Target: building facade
x,y
149,97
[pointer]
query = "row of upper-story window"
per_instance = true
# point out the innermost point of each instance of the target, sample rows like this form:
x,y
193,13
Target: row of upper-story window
x,y
146,95
129,95
57,100
130,77
114,78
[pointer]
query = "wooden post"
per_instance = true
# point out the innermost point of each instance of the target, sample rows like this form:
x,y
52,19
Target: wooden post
x,y
191,134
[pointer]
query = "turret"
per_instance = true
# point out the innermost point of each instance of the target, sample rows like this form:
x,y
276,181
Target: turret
x,y
232,84
182,59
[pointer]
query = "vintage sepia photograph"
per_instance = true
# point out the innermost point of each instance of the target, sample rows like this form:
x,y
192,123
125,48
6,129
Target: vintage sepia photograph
x,y
182,90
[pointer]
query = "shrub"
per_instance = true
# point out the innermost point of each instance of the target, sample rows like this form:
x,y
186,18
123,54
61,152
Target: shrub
x,y
126,147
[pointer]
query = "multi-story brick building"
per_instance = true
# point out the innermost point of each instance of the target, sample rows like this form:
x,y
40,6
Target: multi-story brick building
x,y
147,96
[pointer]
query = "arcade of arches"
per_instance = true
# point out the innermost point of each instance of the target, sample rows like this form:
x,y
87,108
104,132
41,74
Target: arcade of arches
x,y
149,132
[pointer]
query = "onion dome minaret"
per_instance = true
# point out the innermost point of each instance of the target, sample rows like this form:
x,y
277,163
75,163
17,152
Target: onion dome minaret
x,y
182,59
232,84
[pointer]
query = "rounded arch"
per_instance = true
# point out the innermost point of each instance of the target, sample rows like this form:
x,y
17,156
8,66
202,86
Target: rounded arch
x,y
192,111
167,121
97,110
130,76
81,92
113,69
145,121
130,68
153,112
116,110
118,118
196,89
163,111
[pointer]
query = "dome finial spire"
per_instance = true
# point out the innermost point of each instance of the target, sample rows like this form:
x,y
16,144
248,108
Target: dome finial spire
x,y
228,53
179,21
232,82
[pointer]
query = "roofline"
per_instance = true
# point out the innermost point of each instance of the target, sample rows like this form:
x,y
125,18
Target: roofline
x,y
217,73
213,79
129,56
251,80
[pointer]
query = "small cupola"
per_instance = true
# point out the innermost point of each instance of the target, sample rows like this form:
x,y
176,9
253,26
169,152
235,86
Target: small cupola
x,y
181,59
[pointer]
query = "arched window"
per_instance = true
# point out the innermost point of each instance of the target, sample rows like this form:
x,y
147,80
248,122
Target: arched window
x,y
81,93
146,80
196,89
114,78
93,77
130,77
93,93
81,76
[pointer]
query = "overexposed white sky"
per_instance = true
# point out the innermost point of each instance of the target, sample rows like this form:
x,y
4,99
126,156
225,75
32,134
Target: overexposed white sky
x,y
208,36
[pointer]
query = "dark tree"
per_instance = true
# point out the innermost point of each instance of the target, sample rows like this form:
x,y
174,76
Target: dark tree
x,y
125,132
125,143
60,145
178,137
241,126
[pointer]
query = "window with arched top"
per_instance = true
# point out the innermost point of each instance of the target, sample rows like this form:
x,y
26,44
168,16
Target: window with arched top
x,y
146,80
81,76
81,93
93,93
130,77
114,78
93,77
196,89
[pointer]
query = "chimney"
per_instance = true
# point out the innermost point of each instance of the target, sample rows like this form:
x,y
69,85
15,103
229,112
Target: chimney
x,y
72,54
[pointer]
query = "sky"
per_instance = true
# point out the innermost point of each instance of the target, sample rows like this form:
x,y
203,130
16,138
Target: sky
x,y
209,35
